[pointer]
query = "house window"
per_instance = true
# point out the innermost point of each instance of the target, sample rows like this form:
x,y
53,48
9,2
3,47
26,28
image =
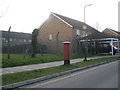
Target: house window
x,y
78,32
50,36
20,40
11,39
29,40
3,39
0,39
14,39
25,40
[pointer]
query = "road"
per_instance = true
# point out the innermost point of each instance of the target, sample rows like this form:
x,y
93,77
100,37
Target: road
x,y
104,76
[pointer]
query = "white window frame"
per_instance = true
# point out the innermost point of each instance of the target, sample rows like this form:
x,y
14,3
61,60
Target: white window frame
x,y
11,39
29,40
50,36
3,39
25,40
78,31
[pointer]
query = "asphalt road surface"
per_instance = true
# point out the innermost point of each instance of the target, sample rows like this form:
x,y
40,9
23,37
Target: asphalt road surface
x,y
104,76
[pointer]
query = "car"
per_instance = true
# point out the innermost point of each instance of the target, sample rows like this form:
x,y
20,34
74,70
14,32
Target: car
x,y
115,50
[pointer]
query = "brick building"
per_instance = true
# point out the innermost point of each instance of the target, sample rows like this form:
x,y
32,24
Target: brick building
x,y
18,41
57,29
113,34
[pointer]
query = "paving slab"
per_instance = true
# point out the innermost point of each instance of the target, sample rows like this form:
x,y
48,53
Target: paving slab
x,y
43,65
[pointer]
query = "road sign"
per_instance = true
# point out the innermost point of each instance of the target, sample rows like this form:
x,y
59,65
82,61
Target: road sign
x,y
84,27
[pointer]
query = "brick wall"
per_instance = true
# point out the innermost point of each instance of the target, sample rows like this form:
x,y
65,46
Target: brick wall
x,y
52,26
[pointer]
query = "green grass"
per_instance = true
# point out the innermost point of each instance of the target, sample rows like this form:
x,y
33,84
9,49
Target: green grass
x,y
27,75
88,55
17,59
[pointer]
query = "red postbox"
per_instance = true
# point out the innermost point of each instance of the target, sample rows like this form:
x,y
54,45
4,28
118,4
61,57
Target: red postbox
x,y
66,52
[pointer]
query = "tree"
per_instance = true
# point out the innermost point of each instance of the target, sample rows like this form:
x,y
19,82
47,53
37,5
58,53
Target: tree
x,y
34,41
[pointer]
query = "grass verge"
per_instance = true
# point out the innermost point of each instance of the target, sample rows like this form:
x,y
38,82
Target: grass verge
x,y
17,59
27,75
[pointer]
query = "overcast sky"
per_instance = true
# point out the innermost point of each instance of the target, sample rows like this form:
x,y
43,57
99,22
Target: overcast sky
x,y
25,15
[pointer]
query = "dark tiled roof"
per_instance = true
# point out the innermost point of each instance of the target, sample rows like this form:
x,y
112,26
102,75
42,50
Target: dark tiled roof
x,y
111,36
77,24
115,31
16,35
112,30
98,35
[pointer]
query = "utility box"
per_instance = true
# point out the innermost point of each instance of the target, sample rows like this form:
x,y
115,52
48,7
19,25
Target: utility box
x,y
66,52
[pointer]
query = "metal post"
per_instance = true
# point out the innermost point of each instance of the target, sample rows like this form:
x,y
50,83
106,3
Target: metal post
x,y
57,40
112,46
85,47
8,50
84,28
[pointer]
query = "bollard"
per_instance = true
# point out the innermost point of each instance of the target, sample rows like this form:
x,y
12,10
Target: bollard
x,y
66,52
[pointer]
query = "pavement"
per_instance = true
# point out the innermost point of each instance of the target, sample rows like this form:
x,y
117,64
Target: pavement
x,y
103,76
44,65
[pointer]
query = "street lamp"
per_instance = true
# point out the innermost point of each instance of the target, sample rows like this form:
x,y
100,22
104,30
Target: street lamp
x,y
84,28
